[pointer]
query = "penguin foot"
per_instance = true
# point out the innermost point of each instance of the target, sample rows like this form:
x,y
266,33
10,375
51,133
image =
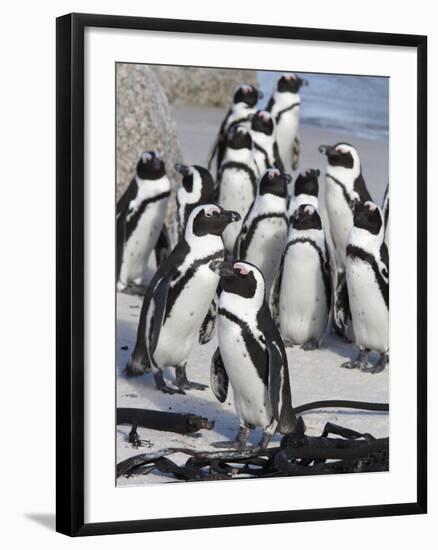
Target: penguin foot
x,y
381,365
310,345
183,383
360,363
162,386
134,368
187,385
241,441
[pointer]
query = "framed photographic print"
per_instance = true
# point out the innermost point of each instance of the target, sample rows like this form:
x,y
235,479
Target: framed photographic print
x,y
232,347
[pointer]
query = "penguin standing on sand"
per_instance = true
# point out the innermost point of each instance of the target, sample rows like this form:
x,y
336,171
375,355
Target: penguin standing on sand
x,y
264,230
178,299
250,356
367,271
284,106
344,188
301,294
141,212
265,145
197,187
305,191
237,179
242,107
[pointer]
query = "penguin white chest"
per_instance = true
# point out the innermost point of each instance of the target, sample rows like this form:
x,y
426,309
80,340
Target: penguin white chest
x,y
251,396
303,311
341,218
142,241
181,327
236,193
266,246
368,308
286,132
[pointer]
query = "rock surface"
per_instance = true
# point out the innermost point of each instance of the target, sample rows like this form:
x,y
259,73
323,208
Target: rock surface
x,y
144,122
201,86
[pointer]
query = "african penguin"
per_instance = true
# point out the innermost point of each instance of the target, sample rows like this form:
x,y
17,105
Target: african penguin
x,y
197,187
385,210
305,191
237,179
367,271
301,294
243,105
251,355
263,235
344,188
284,106
178,298
141,212
265,146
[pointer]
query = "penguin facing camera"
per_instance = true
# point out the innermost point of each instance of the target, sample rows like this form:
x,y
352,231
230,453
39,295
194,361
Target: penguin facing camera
x,y
197,187
265,145
284,105
264,230
301,294
237,179
251,356
178,299
141,212
367,274
243,105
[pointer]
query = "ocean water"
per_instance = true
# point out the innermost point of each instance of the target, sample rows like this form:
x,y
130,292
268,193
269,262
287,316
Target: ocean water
x,y
354,105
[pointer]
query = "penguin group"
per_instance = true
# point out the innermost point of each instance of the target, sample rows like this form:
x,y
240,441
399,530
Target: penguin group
x,y
250,255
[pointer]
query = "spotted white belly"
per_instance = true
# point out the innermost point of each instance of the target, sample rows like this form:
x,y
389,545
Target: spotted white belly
x,y
180,330
302,302
250,394
286,132
341,220
368,309
142,241
266,247
236,193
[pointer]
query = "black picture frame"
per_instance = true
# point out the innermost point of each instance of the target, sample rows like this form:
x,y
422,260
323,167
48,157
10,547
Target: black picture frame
x,y
70,272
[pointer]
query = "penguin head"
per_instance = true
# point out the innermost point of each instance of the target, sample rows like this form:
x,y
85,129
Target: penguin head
x,y
275,182
197,181
368,216
248,94
307,183
238,137
240,278
262,121
306,216
290,83
341,154
209,219
150,166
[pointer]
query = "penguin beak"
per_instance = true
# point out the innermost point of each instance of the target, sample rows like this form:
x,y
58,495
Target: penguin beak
x,y
304,82
327,150
287,178
223,269
260,94
317,172
183,169
229,216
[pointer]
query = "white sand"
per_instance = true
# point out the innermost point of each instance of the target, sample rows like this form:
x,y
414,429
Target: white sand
x,y
315,375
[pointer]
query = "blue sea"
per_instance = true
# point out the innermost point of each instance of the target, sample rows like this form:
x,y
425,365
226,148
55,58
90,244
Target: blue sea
x,y
356,105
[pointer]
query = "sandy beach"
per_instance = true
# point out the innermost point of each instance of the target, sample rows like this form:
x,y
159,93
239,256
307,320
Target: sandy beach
x,y
314,375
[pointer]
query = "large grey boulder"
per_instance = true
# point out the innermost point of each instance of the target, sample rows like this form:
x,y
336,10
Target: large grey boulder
x,y
144,122
201,86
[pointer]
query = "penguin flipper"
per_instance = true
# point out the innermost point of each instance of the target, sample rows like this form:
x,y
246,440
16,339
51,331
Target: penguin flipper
x,y
206,331
162,248
278,163
160,294
270,104
274,376
218,377
361,189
